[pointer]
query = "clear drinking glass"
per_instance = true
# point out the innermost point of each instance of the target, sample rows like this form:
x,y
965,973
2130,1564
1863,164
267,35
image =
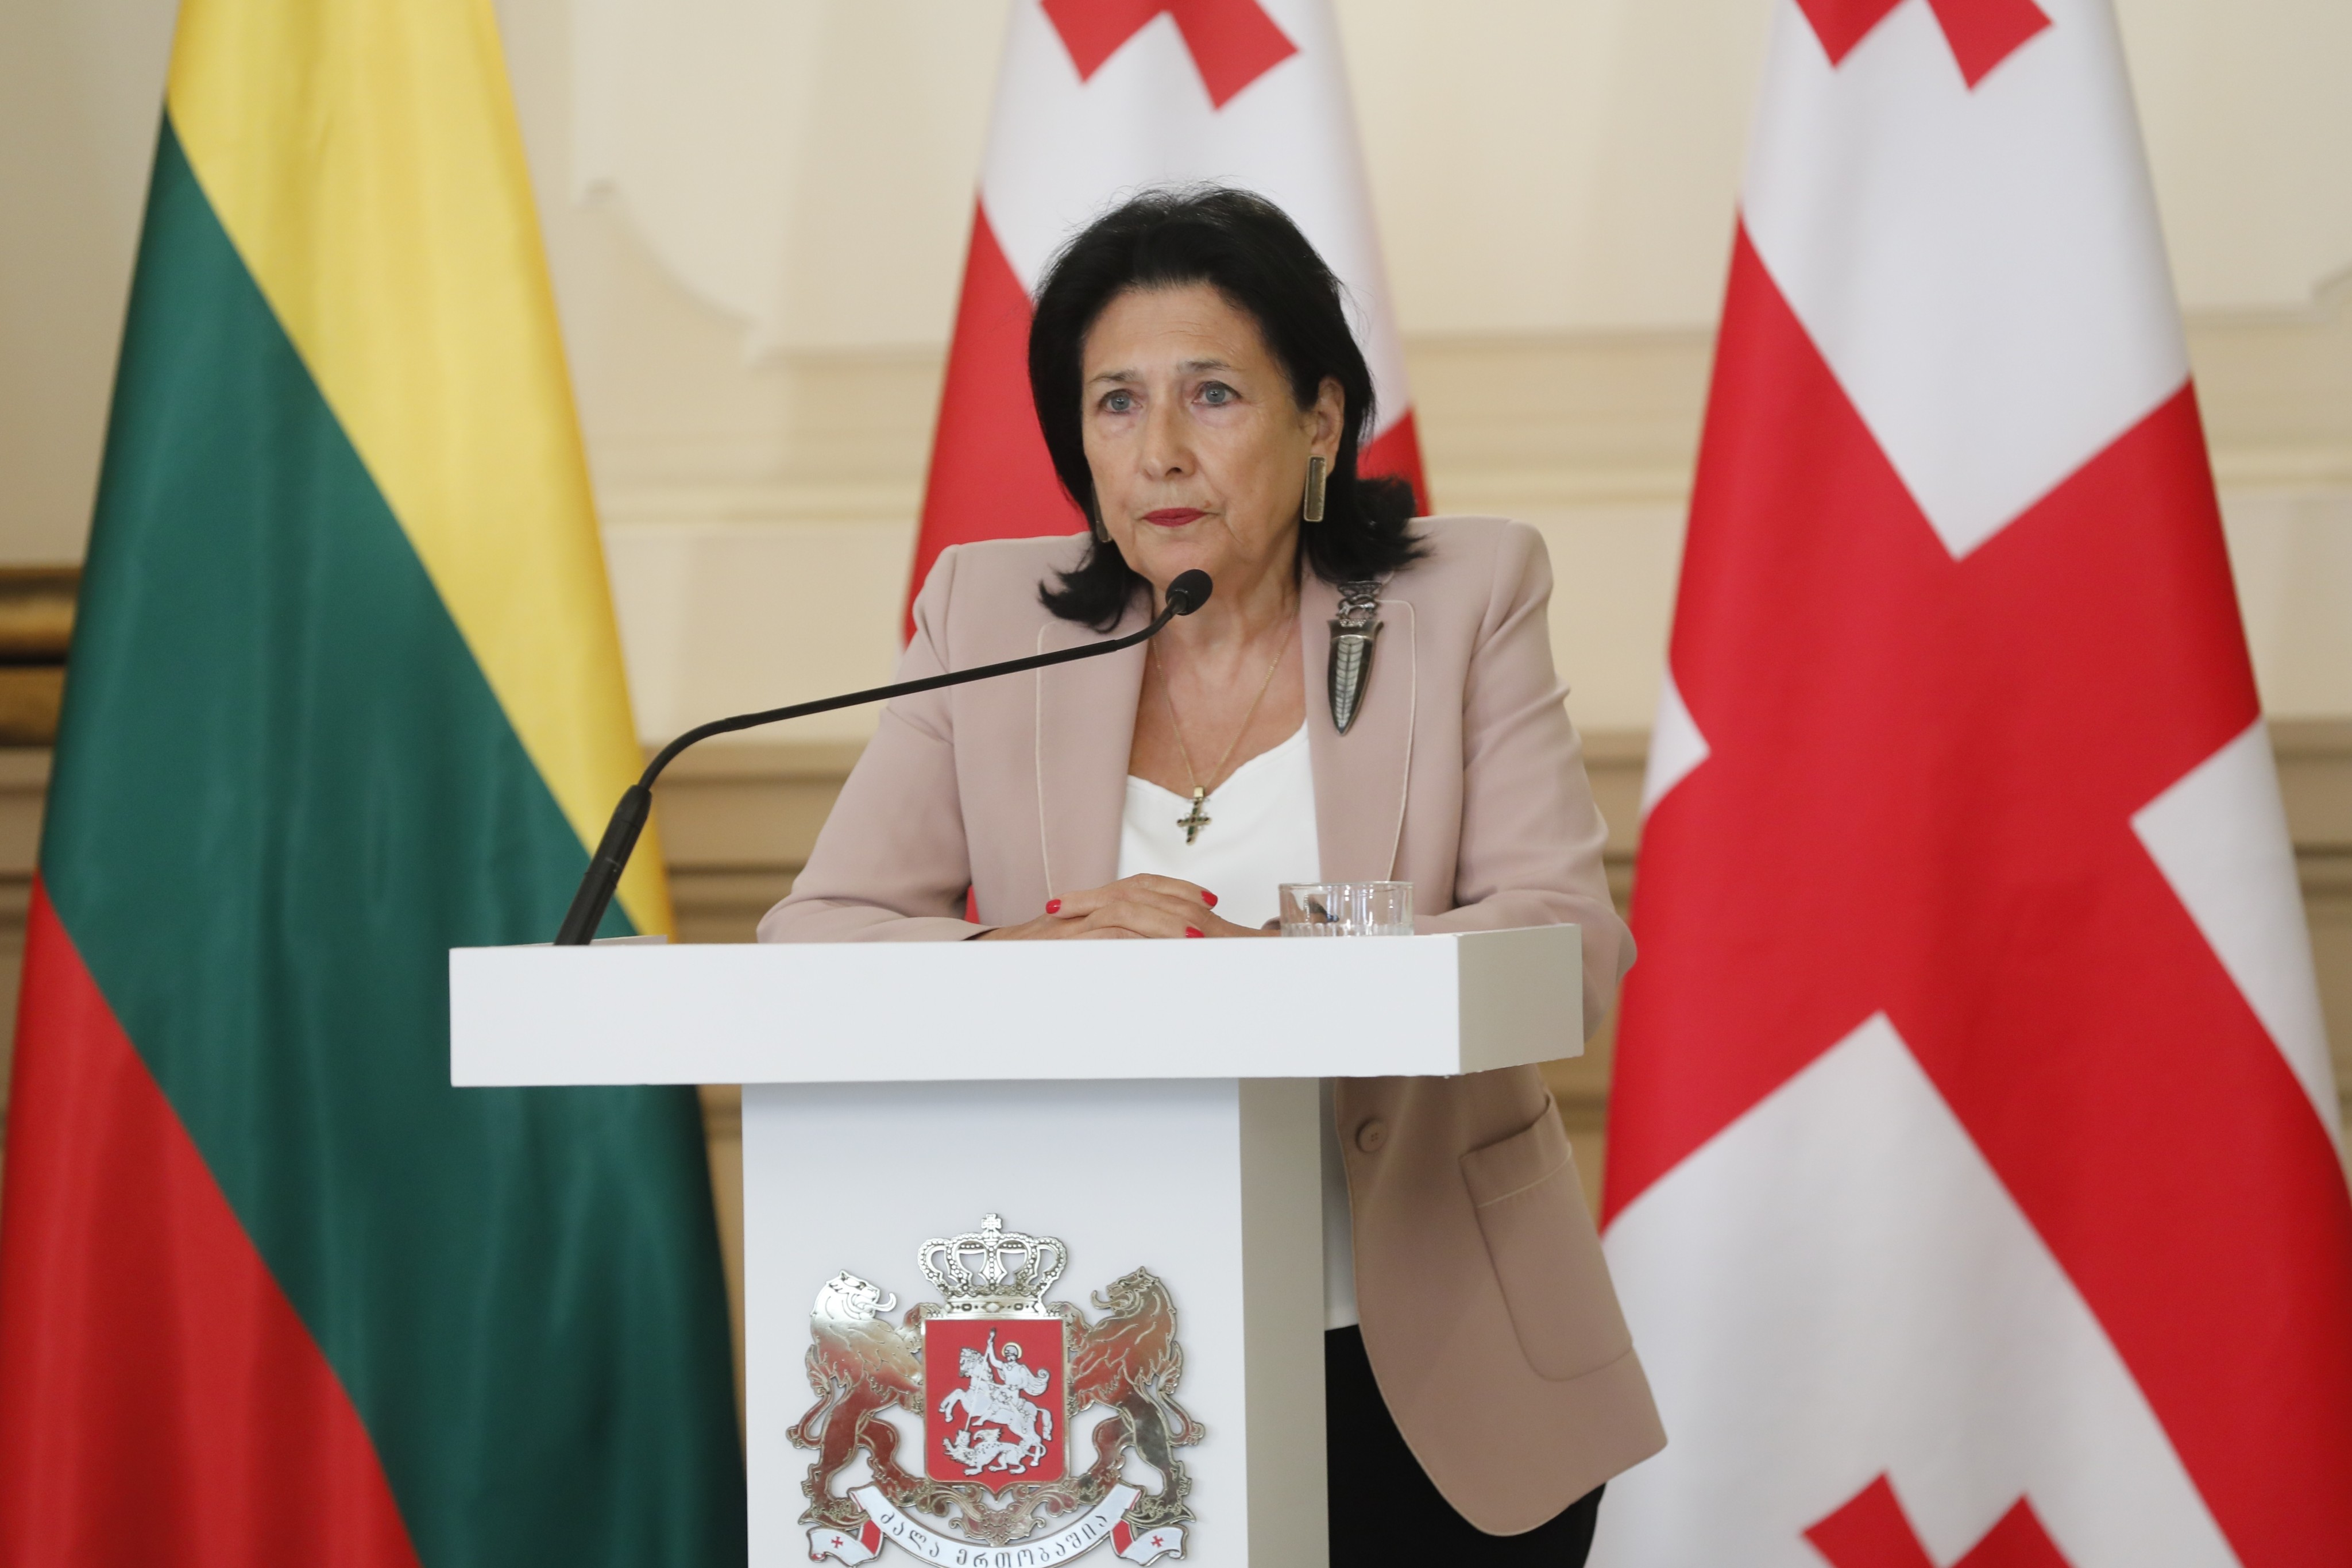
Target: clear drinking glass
x,y
1346,909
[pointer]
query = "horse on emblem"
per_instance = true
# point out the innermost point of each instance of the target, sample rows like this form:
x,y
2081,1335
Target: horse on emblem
x,y
995,1393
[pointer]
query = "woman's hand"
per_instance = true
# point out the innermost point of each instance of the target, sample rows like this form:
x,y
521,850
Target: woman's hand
x,y
1130,906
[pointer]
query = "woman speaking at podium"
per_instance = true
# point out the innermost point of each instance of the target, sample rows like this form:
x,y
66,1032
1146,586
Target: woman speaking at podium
x,y
1202,399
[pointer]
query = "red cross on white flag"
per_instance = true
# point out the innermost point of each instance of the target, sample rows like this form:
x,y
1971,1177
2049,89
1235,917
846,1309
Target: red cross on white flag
x,y
1973,1185
1149,1545
1232,42
1095,99
851,1546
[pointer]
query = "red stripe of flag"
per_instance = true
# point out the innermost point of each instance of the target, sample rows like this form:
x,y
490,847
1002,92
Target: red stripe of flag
x,y
164,1405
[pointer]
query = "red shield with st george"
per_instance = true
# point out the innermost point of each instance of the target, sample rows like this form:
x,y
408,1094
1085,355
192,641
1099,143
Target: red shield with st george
x,y
998,1399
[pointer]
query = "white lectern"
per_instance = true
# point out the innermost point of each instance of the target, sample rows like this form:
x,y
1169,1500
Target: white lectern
x,y
1032,1247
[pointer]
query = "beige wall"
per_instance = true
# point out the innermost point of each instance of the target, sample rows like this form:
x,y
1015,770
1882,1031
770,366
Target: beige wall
x,y
1554,180
80,90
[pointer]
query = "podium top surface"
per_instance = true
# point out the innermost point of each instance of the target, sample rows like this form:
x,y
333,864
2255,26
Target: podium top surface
x,y
940,1012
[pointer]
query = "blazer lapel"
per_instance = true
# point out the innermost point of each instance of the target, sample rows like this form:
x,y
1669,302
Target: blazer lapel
x,y
1359,777
1085,732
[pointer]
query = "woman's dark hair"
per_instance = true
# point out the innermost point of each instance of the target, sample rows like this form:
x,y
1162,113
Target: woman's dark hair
x,y
1247,249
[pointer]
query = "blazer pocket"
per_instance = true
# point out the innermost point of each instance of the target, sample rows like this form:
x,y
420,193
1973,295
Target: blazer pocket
x,y
1545,1252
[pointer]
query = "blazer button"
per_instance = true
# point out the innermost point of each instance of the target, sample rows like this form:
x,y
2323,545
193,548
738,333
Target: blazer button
x,y
1373,1136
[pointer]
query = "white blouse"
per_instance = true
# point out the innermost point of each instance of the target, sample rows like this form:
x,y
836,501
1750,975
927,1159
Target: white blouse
x,y
1261,834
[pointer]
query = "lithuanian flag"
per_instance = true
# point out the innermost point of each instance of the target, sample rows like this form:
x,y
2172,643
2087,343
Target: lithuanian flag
x,y
345,693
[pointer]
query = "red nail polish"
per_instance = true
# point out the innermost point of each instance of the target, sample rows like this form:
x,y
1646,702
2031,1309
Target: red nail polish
x,y
1053,906
1208,897
1190,932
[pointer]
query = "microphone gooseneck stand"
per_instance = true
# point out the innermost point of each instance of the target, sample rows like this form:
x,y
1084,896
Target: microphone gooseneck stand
x,y
1187,593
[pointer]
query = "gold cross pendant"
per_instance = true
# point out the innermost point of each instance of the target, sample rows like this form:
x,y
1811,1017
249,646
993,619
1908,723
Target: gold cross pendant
x,y
1192,821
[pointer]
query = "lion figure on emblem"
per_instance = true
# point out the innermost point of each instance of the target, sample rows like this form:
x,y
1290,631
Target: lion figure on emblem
x,y
859,1366
1131,1360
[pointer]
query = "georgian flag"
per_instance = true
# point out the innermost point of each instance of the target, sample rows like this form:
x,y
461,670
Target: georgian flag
x,y
1973,1187
852,1546
1096,101
1135,1545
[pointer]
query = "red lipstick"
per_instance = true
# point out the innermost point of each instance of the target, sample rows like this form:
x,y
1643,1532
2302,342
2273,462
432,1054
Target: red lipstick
x,y
1174,516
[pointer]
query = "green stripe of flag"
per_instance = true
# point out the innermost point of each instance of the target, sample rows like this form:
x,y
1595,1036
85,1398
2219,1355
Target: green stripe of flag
x,y
283,790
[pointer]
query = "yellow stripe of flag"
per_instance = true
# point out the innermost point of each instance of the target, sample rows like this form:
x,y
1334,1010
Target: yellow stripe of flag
x,y
364,156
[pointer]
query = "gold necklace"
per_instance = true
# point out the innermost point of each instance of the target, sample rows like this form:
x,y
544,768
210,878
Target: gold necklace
x,y
1192,821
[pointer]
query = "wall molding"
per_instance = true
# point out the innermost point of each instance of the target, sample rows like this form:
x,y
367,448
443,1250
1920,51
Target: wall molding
x,y
1507,423
738,822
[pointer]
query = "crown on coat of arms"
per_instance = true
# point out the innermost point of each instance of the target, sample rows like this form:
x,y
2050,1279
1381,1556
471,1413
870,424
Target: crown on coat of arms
x,y
974,1272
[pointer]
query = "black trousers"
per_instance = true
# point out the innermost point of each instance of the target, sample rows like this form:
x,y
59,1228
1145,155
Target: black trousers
x,y
1384,1508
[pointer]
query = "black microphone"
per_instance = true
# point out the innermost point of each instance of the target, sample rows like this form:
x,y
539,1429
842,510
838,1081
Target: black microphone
x,y
1187,593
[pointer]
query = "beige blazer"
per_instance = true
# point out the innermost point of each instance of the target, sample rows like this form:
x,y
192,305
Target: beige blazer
x,y
1486,1309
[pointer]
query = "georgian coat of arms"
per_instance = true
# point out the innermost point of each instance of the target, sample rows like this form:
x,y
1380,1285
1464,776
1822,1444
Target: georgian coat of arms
x,y
996,1375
